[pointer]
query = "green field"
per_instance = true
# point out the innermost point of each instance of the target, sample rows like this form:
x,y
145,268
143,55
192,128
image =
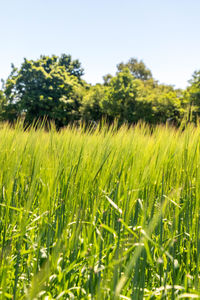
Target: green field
x,y
100,214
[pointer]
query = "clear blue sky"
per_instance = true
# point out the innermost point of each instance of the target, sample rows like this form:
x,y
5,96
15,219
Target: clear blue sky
x,y
165,34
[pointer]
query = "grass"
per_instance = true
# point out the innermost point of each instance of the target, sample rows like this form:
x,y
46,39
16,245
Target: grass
x,y
104,214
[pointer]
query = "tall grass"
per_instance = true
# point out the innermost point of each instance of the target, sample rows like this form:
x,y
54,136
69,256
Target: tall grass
x,y
101,214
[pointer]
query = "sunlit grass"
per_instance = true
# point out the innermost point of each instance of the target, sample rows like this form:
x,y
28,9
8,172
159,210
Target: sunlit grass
x,y
100,214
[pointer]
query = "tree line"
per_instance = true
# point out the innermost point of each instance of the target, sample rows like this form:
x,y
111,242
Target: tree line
x,y
52,88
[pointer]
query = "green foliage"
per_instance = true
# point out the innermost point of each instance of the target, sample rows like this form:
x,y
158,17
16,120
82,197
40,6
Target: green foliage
x,y
107,79
121,99
195,88
52,88
137,69
193,95
129,100
166,102
166,105
105,214
121,95
73,67
2,100
8,111
49,87
91,104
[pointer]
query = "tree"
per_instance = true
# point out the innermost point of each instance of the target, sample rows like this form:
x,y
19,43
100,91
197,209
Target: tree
x,y
121,101
2,101
193,93
107,79
73,67
137,69
166,105
8,111
91,105
166,102
2,98
49,87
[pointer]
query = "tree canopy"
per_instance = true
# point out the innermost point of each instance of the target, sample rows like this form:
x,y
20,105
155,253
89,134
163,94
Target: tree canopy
x,y
52,87
48,87
137,69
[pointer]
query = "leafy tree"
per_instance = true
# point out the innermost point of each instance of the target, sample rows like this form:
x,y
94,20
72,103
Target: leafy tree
x,y
8,111
2,100
121,101
73,67
137,69
49,87
166,102
193,95
107,79
166,105
195,86
91,105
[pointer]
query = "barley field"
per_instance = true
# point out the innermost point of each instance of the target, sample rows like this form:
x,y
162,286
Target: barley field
x,y
100,214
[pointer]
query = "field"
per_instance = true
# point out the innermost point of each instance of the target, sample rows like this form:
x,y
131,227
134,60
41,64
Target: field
x,y
100,214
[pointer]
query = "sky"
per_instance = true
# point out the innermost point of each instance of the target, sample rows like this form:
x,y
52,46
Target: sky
x,y
165,34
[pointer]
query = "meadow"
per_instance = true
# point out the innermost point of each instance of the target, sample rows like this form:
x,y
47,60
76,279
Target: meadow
x,y
100,214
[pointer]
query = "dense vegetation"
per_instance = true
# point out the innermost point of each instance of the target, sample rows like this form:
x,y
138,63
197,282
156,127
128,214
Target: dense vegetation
x,y
104,214
53,88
